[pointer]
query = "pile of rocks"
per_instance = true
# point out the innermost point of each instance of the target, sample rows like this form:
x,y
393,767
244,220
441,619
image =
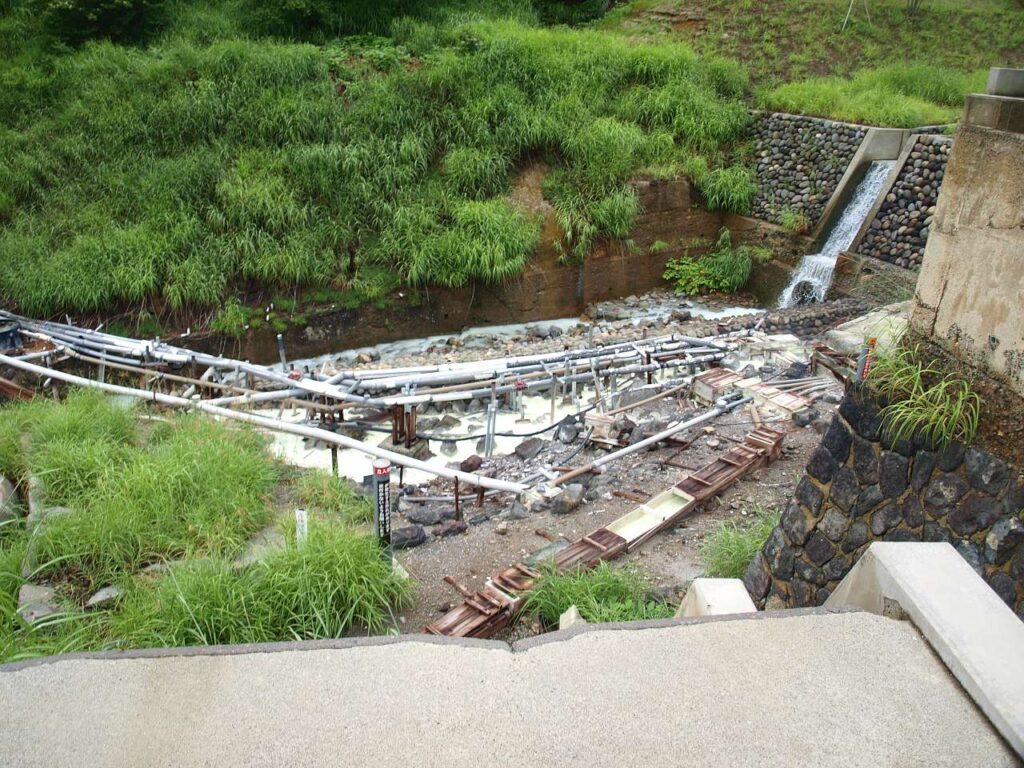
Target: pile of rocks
x,y
900,230
860,487
812,320
800,161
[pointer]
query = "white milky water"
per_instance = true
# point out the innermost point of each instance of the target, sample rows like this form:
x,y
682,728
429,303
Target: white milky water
x,y
815,270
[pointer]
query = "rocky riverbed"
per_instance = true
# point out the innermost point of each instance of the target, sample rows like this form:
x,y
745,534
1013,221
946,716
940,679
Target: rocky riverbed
x,y
652,314
495,533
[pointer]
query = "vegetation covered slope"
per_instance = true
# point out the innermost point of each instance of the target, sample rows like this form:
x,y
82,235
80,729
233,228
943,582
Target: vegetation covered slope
x,y
166,177
908,65
162,161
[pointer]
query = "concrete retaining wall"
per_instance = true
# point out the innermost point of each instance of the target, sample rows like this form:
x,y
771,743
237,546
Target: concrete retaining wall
x,y
860,488
969,293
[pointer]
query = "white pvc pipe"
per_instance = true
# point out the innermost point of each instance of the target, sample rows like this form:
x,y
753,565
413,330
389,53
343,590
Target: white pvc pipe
x,y
268,423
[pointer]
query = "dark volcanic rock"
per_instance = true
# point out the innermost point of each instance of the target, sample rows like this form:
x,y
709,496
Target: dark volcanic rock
x,y
892,474
410,536
529,448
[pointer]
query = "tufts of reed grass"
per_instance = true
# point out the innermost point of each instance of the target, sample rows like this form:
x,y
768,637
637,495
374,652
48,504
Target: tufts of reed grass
x,y
602,594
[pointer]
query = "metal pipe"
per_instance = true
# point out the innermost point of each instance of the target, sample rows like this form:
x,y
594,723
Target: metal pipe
x,y
722,405
277,425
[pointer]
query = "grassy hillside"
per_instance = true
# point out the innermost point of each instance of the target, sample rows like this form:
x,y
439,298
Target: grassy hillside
x,y
252,149
165,177
896,68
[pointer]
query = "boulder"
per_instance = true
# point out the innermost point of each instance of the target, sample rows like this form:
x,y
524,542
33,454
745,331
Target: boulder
x,y
104,598
451,528
36,602
8,500
407,537
471,464
529,448
568,500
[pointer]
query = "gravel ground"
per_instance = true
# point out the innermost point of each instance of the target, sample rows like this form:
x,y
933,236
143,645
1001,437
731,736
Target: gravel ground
x,y
671,559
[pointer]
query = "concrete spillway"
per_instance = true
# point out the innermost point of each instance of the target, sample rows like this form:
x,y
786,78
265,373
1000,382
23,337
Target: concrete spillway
x,y
812,278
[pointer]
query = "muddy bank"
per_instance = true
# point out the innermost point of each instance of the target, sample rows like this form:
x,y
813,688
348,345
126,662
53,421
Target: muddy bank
x,y
674,221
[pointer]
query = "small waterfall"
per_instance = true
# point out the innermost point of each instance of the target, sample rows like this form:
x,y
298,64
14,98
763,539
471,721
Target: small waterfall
x,y
812,278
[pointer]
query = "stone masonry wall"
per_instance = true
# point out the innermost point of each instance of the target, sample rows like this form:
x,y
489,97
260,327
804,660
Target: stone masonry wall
x,y
899,231
860,488
800,161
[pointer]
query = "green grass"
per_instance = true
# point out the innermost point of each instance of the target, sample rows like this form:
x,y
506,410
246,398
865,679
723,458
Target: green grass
x,y
789,40
940,408
898,95
196,488
200,491
602,594
729,548
322,491
801,60
367,145
166,179
335,584
194,491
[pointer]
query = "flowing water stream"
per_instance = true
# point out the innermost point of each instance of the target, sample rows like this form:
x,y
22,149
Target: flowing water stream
x,y
812,278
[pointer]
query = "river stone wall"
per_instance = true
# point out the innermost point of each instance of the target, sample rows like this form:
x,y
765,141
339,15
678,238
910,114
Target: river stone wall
x,y
899,231
800,161
859,488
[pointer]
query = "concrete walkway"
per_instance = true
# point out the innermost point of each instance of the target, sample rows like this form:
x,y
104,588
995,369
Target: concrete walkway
x,y
801,688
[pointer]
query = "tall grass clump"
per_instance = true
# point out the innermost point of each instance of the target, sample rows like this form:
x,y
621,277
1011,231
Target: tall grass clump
x,y
923,402
193,488
336,584
729,548
199,490
602,594
897,96
326,492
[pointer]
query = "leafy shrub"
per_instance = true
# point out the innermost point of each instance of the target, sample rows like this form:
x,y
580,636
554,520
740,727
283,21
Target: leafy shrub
x,y
724,269
602,594
729,548
75,21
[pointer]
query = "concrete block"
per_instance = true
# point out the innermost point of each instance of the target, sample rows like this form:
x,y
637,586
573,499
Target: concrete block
x,y
978,638
570,618
715,597
1005,82
1001,113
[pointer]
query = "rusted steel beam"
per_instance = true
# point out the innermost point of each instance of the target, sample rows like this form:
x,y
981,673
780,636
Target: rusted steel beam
x,y
480,614
15,391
